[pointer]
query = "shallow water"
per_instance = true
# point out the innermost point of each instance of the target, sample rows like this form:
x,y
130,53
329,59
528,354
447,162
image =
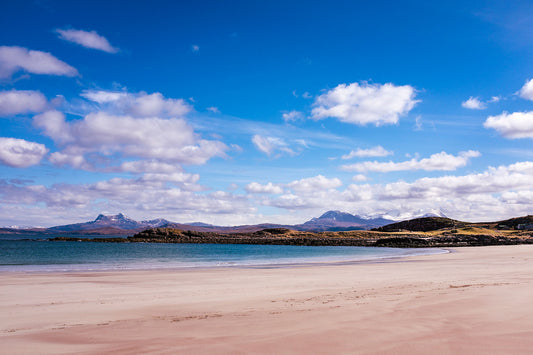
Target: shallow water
x,y
42,255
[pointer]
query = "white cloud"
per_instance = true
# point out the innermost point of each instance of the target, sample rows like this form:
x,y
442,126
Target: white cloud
x,y
305,186
493,181
153,166
213,109
125,132
186,181
103,97
269,145
522,197
13,59
20,153
473,103
292,116
439,161
494,194
148,196
359,178
195,48
512,125
15,102
365,103
54,125
315,183
138,105
168,140
257,188
73,159
377,151
87,39
155,104
526,92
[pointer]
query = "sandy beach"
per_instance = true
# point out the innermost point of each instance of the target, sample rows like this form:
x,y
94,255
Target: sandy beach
x,y
470,301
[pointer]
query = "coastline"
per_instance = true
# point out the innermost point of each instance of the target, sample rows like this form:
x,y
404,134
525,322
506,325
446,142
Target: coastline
x,y
29,256
279,265
469,300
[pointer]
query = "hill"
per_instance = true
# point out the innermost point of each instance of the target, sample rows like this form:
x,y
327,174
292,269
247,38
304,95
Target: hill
x,y
424,224
427,224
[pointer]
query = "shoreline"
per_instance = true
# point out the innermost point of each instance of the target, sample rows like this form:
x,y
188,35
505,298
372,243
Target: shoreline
x,y
283,262
387,259
468,300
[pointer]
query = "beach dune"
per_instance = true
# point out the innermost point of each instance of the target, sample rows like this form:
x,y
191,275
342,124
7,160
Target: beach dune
x,y
469,301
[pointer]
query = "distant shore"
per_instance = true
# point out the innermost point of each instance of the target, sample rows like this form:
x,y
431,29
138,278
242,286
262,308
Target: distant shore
x,y
283,236
473,300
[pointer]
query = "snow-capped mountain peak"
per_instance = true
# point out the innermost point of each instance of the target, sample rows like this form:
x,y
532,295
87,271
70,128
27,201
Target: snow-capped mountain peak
x,y
120,221
401,215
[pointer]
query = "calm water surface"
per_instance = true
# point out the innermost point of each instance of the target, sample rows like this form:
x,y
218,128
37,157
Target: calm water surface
x,y
42,255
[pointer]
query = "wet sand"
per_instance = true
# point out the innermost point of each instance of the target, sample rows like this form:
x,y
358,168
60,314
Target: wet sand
x,y
471,301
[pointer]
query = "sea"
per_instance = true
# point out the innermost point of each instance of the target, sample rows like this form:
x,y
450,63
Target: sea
x,y
30,254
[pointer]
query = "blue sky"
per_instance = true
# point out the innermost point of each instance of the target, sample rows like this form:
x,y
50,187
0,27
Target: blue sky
x,y
264,111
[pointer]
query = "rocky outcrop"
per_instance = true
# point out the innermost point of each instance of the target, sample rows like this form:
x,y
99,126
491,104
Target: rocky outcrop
x,y
449,241
283,236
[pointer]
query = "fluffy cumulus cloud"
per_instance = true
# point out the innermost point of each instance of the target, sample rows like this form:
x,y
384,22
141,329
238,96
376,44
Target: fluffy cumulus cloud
x,y
473,103
139,104
438,161
304,186
167,140
14,59
526,91
493,181
512,125
87,39
127,132
147,196
377,151
523,197
496,193
315,183
365,103
20,153
15,102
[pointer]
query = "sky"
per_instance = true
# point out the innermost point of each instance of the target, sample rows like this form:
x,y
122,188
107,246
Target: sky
x,y
244,112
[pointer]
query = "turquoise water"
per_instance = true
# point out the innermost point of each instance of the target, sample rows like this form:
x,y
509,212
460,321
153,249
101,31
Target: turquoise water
x,y
41,255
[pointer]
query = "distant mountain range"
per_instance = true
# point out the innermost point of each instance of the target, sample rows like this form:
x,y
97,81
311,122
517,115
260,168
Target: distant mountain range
x,y
119,221
122,225
339,221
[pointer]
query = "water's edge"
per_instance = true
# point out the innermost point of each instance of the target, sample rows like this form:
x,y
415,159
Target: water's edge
x,y
43,256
